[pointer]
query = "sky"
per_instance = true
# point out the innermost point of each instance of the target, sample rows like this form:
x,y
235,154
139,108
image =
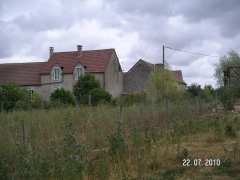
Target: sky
x,y
136,29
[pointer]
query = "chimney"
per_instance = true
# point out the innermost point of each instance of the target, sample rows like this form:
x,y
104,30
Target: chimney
x,y
79,48
51,51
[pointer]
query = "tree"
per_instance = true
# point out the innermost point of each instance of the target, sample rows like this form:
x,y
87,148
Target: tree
x,y
194,90
87,86
62,96
231,59
208,93
162,85
84,86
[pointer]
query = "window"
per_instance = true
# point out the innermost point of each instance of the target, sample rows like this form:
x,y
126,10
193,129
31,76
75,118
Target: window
x,y
56,73
78,71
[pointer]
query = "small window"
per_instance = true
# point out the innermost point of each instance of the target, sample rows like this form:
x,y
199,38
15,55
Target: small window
x,y
56,74
78,71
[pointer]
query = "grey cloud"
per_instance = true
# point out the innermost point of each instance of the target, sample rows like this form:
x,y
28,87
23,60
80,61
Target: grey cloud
x,y
137,29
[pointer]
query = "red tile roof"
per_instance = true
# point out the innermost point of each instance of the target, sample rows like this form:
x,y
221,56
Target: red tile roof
x,y
21,73
29,73
94,60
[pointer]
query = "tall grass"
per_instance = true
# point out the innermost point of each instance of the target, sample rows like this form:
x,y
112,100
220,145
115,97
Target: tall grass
x,y
89,143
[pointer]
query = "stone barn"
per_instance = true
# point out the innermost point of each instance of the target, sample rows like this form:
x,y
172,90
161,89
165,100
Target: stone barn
x,y
136,78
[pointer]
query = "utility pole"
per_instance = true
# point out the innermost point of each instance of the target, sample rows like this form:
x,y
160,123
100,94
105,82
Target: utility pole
x,y
163,56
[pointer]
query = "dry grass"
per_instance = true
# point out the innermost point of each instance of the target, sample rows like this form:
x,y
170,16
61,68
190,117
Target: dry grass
x,y
149,144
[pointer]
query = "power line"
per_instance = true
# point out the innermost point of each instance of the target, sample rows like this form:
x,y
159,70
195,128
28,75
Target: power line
x,y
193,53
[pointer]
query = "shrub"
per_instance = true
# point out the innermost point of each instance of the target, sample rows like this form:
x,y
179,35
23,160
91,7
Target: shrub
x,y
10,94
62,96
36,101
99,95
84,86
15,97
228,97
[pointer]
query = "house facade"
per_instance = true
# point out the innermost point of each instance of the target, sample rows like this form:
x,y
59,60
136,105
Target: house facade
x,y
63,69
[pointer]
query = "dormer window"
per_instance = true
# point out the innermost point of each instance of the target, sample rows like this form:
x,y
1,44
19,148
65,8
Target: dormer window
x,y
78,71
56,73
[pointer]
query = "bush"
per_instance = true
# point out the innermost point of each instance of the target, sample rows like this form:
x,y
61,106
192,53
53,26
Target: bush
x,y
15,97
83,88
62,96
99,95
36,101
228,96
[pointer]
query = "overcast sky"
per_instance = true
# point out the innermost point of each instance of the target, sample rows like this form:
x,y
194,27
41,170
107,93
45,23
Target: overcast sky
x,y
136,29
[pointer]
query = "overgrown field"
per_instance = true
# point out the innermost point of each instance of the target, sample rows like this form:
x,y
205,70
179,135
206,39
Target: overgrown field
x,y
107,142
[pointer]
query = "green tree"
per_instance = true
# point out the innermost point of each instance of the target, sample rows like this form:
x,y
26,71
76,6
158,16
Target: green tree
x,y
62,96
231,59
208,93
82,89
162,84
194,90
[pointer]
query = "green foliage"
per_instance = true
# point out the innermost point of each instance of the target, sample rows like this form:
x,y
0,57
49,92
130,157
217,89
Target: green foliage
x,y
231,59
73,153
84,86
194,90
36,100
13,97
133,98
207,93
10,95
161,85
99,95
62,96
228,97
117,144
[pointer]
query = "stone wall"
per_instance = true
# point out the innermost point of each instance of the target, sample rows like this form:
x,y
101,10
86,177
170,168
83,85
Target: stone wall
x,y
136,78
114,77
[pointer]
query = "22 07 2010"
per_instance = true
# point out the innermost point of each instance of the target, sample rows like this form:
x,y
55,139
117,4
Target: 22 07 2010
x,y
201,162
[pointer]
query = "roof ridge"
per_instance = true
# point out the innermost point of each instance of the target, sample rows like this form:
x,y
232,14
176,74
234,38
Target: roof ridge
x,y
85,50
23,63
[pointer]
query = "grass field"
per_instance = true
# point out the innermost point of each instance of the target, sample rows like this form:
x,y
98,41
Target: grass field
x,y
106,142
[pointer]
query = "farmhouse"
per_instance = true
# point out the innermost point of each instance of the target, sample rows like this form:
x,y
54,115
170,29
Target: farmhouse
x,y
63,69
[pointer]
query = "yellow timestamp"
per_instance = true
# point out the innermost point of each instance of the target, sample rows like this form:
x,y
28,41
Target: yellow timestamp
x,y
201,162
